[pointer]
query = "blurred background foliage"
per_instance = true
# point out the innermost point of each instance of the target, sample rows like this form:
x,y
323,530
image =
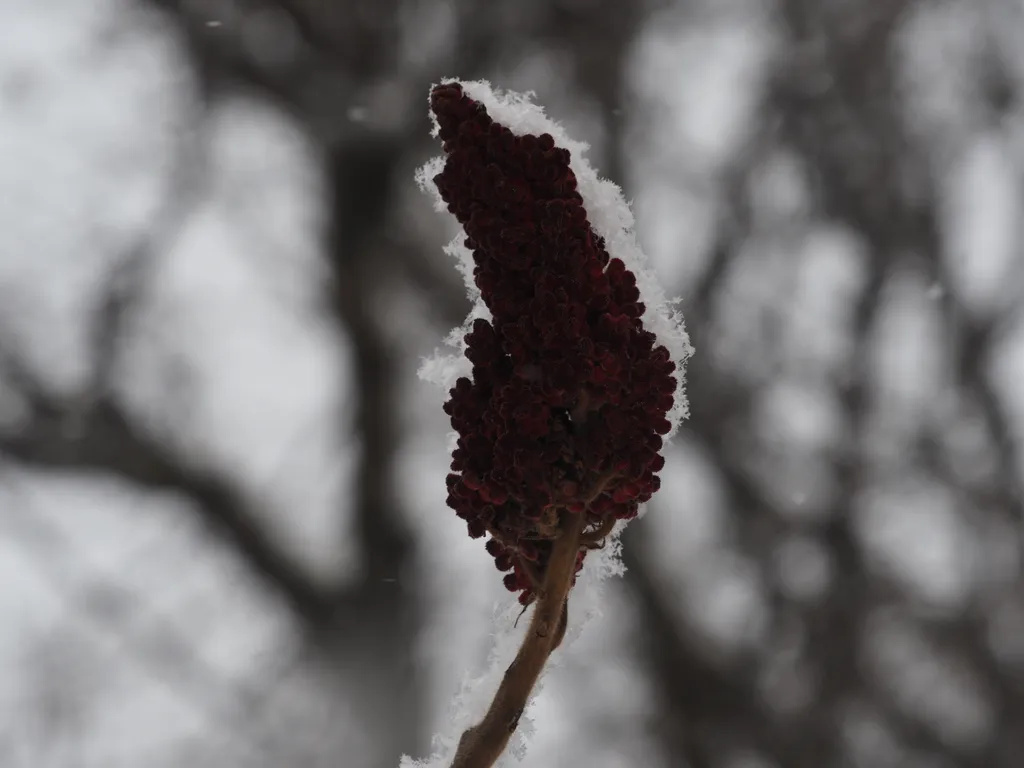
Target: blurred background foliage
x,y
223,536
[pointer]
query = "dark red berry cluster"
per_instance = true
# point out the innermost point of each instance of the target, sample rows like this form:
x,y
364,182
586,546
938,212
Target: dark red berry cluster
x,y
569,393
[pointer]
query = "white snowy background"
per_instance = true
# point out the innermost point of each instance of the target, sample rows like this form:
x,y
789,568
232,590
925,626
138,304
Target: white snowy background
x,y
196,200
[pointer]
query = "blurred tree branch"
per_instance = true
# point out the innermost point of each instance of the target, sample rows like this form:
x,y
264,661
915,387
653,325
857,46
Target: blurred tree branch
x,y
713,710
161,652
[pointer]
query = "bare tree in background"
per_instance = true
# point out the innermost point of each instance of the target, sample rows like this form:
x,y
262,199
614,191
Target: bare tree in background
x,y
830,232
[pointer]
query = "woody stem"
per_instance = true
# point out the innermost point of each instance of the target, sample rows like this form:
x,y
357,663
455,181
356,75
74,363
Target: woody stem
x,y
596,536
482,744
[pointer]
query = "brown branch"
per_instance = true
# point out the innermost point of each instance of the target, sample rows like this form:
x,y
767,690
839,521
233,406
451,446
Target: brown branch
x,y
482,744
563,623
595,539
